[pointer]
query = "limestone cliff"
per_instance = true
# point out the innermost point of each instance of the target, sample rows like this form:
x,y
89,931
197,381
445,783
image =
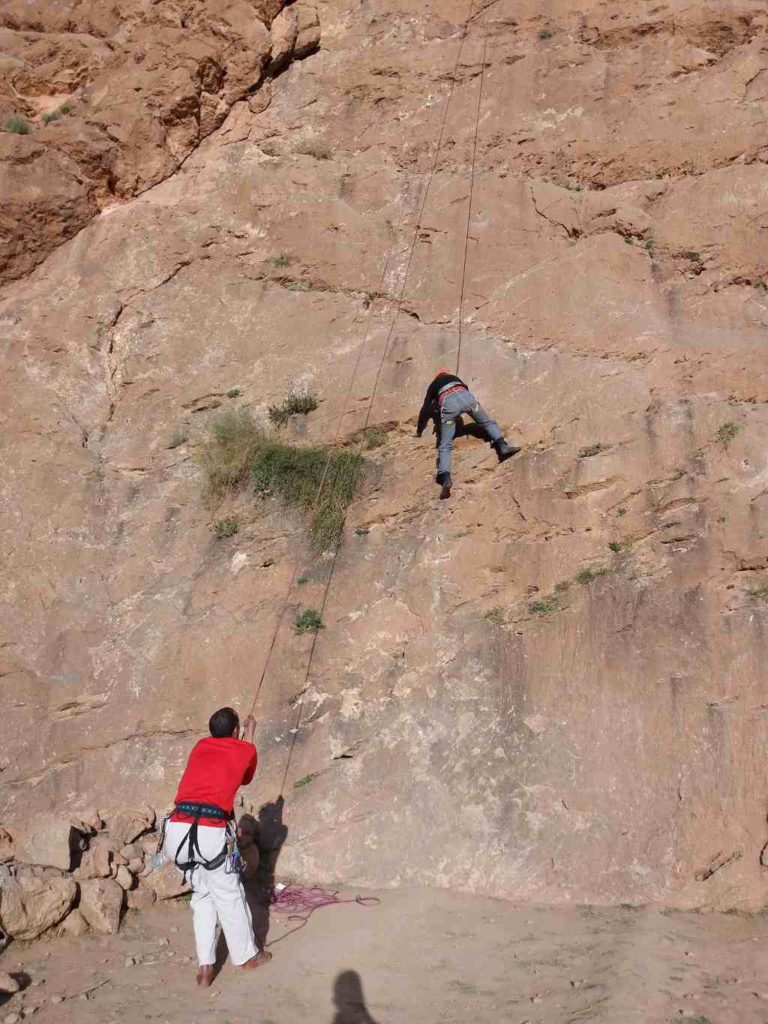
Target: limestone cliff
x,y
548,688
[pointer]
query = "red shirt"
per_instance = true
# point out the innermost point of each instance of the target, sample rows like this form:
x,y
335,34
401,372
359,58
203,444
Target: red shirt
x,y
216,769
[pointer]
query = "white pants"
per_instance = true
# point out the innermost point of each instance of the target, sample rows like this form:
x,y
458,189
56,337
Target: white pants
x,y
216,896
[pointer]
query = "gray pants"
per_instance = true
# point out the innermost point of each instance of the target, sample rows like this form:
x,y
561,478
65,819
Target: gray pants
x,y
454,405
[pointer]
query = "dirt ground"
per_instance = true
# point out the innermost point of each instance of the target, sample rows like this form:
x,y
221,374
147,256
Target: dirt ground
x,y
417,956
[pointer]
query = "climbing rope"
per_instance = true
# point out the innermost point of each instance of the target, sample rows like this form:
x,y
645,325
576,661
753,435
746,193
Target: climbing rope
x,y
300,902
374,392
471,190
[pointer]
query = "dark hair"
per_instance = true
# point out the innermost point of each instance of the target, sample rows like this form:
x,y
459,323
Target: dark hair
x,y
223,722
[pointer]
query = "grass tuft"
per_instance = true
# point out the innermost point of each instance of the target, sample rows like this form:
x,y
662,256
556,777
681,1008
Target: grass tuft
x,y
57,114
295,473
295,403
759,593
495,615
592,449
281,261
621,511
228,452
374,437
544,605
725,434
591,573
546,33
308,621
18,125
302,580
299,286
233,393
225,528
615,546
305,781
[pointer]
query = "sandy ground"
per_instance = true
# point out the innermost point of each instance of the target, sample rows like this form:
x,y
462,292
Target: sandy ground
x,y
418,956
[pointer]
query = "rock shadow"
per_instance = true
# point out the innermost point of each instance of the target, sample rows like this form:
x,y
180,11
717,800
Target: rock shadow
x,y
349,1000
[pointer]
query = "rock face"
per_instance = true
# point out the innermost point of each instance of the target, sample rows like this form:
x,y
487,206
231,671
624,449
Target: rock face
x,y
115,99
548,688
32,900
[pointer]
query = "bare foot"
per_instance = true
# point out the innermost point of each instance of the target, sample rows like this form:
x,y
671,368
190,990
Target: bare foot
x,y
256,961
205,975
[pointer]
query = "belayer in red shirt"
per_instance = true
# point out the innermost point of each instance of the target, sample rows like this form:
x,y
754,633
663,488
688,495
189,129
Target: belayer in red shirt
x,y
200,840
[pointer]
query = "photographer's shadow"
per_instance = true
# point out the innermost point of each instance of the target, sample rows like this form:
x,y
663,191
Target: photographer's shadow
x,y
349,1000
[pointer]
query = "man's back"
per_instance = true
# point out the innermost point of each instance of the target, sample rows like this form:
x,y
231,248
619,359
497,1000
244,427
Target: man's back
x,y
216,769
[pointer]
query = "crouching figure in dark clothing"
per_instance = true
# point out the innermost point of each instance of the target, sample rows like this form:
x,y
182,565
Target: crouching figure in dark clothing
x,y
447,399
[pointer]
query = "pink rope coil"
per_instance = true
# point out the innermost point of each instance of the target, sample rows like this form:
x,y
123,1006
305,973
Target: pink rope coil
x,y
300,902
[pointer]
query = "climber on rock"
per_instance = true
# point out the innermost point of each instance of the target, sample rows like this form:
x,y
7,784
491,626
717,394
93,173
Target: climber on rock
x,y
200,840
447,398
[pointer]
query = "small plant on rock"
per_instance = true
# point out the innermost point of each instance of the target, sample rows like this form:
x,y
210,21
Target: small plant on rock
x,y
615,546
18,125
725,434
302,580
375,437
57,114
495,615
591,573
621,511
305,781
227,454
233,393
224,528
281,261
299,286
296,403
544,605
546,33
592,449
759,593
308,621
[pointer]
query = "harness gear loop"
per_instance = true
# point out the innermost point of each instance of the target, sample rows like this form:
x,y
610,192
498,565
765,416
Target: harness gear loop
x,y
194,855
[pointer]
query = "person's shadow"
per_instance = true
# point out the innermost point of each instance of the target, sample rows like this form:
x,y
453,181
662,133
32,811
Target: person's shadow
x,y
259,841
349,1000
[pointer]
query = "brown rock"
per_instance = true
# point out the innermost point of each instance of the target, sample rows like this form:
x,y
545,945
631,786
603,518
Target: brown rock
x,y
96,862
73,925
308,31
101,904
51,840
33,900
6,846
141,898
283,34
130,825
124,878
166,882
8,983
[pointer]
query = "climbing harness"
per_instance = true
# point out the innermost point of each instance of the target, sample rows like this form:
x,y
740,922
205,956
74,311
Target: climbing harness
x,y
228,854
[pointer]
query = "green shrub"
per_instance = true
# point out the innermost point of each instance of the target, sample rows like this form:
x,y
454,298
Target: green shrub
x,y
305,781
57,114
760,593
296,473
228,452
233,393
591,573
621,511
374,437
615,546
308,621
546,33
302,580
362,531
295,403
17,125
225,528
281,261
725,434
299,286
495,615
544,605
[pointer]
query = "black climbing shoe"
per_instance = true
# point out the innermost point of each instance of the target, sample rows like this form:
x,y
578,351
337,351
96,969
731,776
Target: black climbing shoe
x,y
505,451
444,479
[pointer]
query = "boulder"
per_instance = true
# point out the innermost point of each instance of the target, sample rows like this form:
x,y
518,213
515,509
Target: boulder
x,y
141,898
74,924
283,34
101,904
50,839
127,826
130,852
96,862
6,846
124,878
8,983
166,882
308,36
33,900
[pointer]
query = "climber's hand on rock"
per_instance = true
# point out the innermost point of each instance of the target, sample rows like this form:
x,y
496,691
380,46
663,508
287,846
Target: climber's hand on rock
x,y
249,727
